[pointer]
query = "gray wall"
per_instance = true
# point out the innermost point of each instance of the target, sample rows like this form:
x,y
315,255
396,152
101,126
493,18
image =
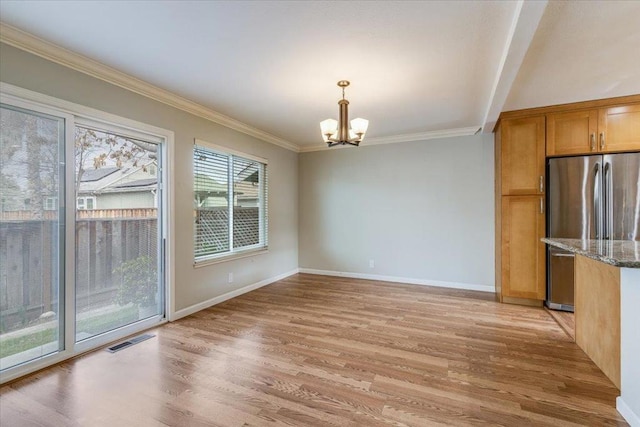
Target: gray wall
x,y
192,285
421,210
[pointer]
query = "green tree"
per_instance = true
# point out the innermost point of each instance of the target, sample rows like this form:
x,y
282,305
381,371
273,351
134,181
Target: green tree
x,y
29,159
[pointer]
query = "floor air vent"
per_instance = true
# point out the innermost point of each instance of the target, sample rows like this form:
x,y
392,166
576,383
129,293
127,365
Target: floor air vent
x,y
129,343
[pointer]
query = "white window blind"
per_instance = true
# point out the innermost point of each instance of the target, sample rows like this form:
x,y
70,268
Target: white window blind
x,y
230,202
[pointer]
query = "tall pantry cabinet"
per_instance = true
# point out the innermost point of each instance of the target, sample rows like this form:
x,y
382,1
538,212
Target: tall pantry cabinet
x,y
520,210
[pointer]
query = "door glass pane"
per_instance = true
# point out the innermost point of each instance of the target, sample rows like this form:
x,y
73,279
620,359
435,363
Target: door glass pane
x,y
117,274
31,235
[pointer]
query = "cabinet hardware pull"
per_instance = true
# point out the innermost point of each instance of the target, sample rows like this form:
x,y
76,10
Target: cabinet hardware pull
x,y
541,184
593,142
602,140
541,206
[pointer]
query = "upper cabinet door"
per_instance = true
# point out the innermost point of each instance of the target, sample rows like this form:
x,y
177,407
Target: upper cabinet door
x,y
572,133
522,156
619,128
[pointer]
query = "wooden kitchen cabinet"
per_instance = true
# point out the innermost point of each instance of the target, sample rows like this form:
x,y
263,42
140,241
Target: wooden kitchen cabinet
x,y
522,156
619,128
597,290
522,255
522,139
602,130
573,132
520,189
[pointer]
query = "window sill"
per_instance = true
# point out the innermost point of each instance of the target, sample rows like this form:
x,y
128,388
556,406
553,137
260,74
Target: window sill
x,y
230,257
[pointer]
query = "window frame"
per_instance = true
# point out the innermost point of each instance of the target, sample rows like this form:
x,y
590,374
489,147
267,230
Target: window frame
x,y
246,251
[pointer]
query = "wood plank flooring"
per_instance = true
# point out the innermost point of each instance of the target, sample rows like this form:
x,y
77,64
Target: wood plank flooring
x,y
566,320
325,351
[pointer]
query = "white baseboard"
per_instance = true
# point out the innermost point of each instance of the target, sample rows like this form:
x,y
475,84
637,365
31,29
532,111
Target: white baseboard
x,y
409,280
632,418
217,300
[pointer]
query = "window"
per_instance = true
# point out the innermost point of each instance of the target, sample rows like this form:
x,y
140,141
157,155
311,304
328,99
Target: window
x,y
230,202
50,203
86,203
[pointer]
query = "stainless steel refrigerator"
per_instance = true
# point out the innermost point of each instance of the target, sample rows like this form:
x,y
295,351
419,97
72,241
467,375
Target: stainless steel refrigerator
x,y
589,197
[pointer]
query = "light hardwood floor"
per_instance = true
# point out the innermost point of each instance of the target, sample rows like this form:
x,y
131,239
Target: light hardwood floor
x,y
315,350
566,320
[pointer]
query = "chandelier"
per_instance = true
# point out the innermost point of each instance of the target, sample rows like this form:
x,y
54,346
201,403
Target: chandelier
x,y
339,133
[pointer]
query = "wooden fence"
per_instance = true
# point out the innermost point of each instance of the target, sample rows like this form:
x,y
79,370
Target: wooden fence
x,y
29,262
104,239
80,214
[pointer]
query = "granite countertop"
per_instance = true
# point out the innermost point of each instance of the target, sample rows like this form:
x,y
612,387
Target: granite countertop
x,y
621,253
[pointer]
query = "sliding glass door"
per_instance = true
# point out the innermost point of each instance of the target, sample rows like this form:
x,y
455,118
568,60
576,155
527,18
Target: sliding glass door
x,y
81,234
117,251
32,237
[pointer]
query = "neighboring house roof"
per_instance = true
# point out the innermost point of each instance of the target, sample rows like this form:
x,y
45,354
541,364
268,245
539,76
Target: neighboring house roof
x,y
92,175
113,180
138,183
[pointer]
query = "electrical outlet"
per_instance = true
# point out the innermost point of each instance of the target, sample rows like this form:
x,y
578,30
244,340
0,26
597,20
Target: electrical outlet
x,y
372,264
230,277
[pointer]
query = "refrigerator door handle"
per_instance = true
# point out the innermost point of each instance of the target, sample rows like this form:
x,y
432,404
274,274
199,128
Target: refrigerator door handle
x,y
597,201
607,215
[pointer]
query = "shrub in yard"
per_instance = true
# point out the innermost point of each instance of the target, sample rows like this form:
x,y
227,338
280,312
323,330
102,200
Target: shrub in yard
x,y
138,282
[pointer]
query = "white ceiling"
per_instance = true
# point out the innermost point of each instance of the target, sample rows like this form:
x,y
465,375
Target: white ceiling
x,y
582,50
416,67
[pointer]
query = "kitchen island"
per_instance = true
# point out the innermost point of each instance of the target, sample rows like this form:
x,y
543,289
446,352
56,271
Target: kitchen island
x,y
607,312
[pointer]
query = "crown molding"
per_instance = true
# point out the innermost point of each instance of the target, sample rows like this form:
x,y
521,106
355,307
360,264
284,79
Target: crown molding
x,y
407,137
52,52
